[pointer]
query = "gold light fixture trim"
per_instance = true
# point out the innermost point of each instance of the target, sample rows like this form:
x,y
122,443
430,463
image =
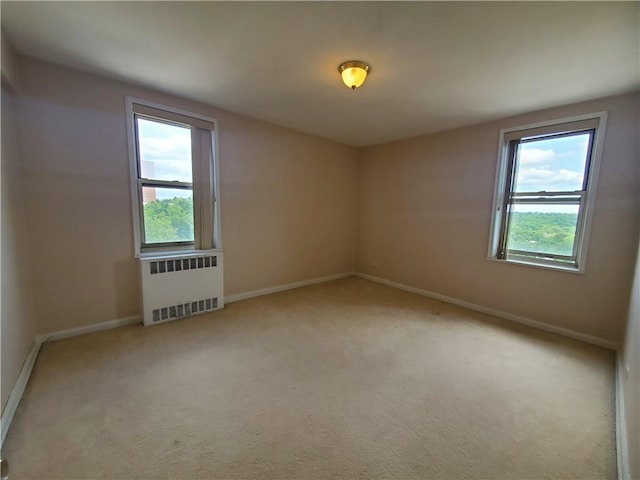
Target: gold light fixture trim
x,y
354,73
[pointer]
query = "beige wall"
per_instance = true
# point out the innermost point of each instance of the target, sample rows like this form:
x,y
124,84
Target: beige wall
x,y
425,210
17,322
630,356
7,55
289,209
288,199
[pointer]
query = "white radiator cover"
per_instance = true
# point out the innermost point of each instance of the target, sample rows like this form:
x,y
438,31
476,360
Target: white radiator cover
x,y
180,286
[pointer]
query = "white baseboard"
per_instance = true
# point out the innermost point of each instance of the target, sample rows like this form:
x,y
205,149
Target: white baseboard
x,y
287,286
17,391
601,342
622,450
85,329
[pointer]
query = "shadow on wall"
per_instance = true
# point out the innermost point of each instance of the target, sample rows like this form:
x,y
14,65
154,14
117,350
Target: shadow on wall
x,y
126,273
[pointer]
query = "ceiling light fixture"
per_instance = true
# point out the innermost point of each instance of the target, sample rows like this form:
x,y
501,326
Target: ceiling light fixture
x,y
353,73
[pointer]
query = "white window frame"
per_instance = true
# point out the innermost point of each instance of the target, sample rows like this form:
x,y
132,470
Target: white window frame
x,y
585,215
205,182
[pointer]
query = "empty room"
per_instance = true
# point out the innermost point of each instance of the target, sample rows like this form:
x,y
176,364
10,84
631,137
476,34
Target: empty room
x,y
312,240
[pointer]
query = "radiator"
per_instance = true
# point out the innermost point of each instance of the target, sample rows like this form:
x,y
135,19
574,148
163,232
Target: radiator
x,y
178,287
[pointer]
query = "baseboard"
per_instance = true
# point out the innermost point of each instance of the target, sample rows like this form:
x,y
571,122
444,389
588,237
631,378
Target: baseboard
x,y
85,329
17,391
622,450
280,288
601,342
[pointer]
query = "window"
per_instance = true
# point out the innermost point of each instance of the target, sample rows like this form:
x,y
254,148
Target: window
x,y
173,179
545,189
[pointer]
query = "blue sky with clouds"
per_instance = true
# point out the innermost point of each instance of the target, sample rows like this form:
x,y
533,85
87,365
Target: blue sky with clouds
x,y
554,164
165,154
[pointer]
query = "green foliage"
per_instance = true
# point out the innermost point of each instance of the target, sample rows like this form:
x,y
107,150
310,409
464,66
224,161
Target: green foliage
x,y
542,232
169,220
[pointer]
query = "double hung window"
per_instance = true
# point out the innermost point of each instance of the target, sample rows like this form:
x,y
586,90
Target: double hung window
x,y
173,179
545,191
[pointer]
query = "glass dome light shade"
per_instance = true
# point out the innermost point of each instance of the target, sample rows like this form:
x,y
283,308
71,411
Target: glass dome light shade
x,y
353,73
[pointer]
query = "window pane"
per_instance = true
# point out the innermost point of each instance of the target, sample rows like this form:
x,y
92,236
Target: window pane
x,y
552,165
165,151
543,228
168,215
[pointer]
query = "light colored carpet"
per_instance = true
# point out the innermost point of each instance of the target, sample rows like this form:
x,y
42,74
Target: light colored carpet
x,y
348,379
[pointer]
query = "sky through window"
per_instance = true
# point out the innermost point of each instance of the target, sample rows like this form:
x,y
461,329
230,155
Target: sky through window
x,y
554,164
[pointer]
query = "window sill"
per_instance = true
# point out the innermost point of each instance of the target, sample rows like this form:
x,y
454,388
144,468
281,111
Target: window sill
x,y
561,268
169,254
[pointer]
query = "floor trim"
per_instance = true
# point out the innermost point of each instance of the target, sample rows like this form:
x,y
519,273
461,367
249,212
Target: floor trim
x,y
601,342
287,286
85,329
18,390
622,448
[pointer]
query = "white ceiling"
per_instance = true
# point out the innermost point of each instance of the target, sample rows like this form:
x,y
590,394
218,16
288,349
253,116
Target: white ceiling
x,y
435,65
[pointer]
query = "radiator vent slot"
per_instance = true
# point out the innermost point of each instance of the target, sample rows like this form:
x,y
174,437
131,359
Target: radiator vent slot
x,y
183,310
181,264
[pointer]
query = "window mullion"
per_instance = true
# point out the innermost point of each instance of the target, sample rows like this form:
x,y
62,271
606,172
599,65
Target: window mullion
x,y
196,167
576,200
548,194
580,227
506,200
587,176
145,182
533,253
205,185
